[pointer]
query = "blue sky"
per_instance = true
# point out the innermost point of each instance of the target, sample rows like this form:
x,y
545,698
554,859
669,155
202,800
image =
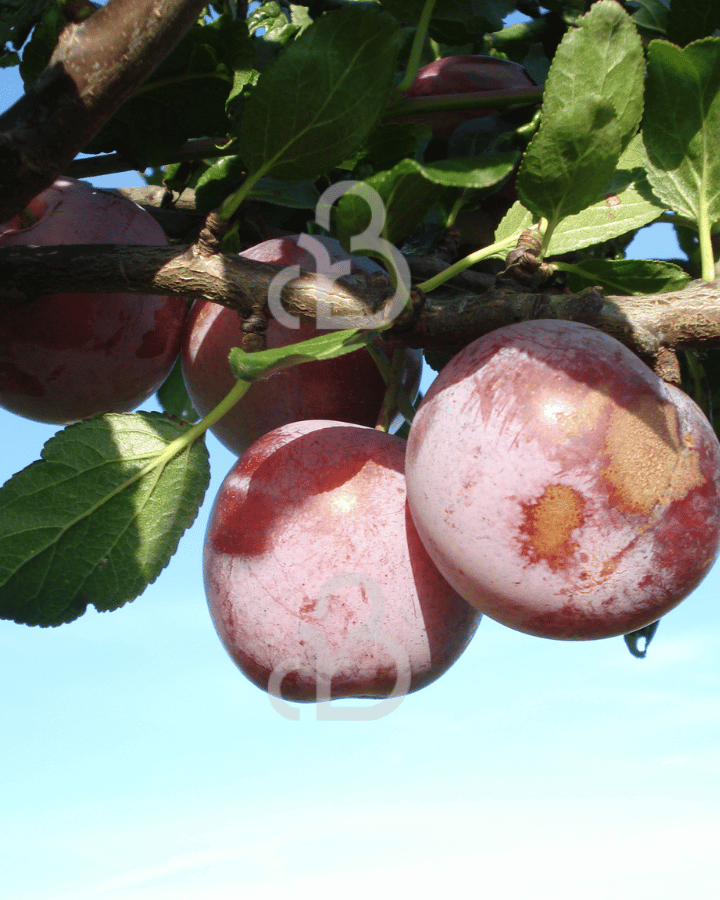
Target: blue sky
x,y
138,763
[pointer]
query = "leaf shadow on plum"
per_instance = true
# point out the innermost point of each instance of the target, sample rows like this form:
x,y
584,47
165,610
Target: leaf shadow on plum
x,y
271,482
626,388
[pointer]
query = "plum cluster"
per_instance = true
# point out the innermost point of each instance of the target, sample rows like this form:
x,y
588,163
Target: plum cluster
x,y
550,479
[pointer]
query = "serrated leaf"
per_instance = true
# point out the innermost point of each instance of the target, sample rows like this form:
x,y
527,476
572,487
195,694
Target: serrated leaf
x,y
317,102
290,194
681,127
218,181
479,172
516,220
274,21
627,204
591,109
390,142
651,17
92,522
406,198
626,276
250,366
609,218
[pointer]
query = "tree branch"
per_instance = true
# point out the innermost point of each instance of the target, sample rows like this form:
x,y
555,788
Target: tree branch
x,y
654,326
95,67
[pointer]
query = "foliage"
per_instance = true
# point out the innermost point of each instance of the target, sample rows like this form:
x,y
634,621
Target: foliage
x,y
297,98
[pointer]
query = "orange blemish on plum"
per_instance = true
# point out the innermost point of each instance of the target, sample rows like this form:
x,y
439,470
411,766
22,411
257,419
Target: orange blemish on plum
x,y
549,522
648,461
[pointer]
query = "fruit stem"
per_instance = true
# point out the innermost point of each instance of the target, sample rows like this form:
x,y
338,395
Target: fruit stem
x,y
395,398
484,253
413,63
195,431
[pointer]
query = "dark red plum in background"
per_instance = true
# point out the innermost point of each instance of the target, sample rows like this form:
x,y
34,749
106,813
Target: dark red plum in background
x,y
65,357
463,75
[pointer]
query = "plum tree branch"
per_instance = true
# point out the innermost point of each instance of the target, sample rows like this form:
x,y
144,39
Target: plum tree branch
x,y
95,67
654,326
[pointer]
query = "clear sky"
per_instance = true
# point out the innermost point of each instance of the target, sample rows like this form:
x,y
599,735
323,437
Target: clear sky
x,y
138,764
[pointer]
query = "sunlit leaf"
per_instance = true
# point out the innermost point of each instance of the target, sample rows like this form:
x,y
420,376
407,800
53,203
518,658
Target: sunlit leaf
x,y
93,521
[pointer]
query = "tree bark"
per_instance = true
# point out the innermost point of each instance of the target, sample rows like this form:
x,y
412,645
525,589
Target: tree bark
x,y
95,67
653,326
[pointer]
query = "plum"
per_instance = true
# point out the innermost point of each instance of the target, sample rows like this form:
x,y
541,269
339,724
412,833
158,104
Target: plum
x,y
560,486
349,388
316,580
463,75
65,357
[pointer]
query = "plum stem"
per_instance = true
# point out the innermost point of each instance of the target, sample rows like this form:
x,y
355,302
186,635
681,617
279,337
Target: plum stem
x,y
413,63
195,431
395,398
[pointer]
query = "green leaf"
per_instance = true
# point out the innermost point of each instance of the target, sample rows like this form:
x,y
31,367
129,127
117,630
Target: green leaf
x,y
410,189
315,105
250,366
390,142
681,127
185,98
478,172
626,276
274,20
173,396
226,175
92,522
690,20
17,19
39,48
516,220
591,109
627,204
609,218
218,181
651,17
406,195
290,194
